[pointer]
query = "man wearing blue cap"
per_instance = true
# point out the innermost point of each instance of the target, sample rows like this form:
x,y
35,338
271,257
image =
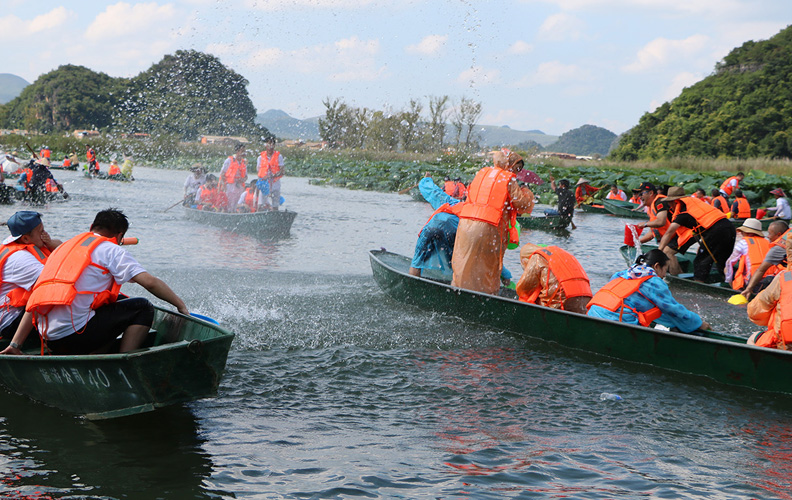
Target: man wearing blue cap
x,y
22,257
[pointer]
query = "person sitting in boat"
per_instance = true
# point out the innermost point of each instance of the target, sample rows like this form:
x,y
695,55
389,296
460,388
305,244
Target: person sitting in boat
x,y
636,198
692,218
566,200
114,171
772,308
488,223
749,253
584,191
718,201
702,195
270,172
658,223
40,178
782,209
22,257
639,296
730,184
248,201
616,194
210,196
128,165
449,186
460,190
66,163
778,233
740,208
553,277
193,183
91,319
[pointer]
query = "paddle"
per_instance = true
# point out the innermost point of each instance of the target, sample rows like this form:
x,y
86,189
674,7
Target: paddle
x,y
407,190
180,201
60,186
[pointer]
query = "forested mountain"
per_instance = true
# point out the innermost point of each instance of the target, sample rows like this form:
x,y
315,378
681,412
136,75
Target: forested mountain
x,y
186,95
744,109
10,86
585,140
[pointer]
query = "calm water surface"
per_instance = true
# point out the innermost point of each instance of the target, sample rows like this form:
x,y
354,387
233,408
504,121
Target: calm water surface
x,y
335,391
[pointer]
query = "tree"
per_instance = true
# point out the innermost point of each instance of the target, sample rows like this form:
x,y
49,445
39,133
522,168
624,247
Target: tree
x,y
465,117
411,125
332,128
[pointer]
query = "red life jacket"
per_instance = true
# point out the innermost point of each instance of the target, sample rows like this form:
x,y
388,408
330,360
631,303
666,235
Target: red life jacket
x,y
570,274
771,337
18,297
236,170
56,284
743,208
488,196
757,249
730,189
270,166
612,295
724,205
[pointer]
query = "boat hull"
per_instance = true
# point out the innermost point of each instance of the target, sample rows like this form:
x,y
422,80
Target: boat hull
x,y
724,358
594,209
272,224
544,223
623,209
184,362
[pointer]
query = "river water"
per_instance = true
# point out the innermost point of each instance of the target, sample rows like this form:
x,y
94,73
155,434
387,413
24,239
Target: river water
x,y
333,390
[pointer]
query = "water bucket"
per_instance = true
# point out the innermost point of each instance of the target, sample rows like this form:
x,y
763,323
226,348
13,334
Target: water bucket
x,y
760,213
631,231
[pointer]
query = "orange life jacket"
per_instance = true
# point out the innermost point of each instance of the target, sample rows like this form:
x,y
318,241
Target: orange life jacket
x,y
66,162
757,249
27,172
724,205
730,189
65,265
50,186
658,231
211,197
236,170
449,187
250,198
617,196
612,295
488,196
114,170
704,214
270,166
461,190
45,153
743,208
18,297
636,199
781,241
90,155
780,339
567,270
447,208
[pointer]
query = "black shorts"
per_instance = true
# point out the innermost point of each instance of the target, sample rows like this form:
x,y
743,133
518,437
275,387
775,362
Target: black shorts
x,y
108,323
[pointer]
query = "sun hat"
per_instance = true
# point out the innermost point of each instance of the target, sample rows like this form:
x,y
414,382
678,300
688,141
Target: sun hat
x,y
582,180
647,186
778,191
751,226
675,193
21,223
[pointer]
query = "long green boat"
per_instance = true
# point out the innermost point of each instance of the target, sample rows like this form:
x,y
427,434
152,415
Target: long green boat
x,y
269,224
721,357
594,209
545,223
624,209
182,360
685,279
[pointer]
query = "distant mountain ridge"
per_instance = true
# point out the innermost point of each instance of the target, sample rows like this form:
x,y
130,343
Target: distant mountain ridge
x,y
11,86
287,127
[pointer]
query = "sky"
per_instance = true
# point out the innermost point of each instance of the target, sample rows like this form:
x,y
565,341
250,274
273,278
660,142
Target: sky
x,y
549,65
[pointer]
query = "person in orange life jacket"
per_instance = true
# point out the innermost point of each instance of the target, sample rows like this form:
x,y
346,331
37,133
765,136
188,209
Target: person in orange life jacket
x,y
772,308
730,184
270,170
748,254
248,200
636,198
583,191
66,163
778,233
233,176
22,257
114,170
193,183
45,152
718,201
740,208
210,196
494,201
93,165
616,194
693,218
640,296
552,277
702,195
82,324
460,190
658,223
449,186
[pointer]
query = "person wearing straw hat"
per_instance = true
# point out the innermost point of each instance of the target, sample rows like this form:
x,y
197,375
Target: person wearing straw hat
x,y
749,253
771,308
584,191
693,218
782,209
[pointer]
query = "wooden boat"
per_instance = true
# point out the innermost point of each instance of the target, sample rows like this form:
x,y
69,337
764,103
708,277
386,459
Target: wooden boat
x,y
546,223
594,209
624,209
765,222
685,279
183,360
721,357
103,176
269,224
59,166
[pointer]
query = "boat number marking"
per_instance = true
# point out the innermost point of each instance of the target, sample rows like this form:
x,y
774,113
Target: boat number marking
x,y
71,375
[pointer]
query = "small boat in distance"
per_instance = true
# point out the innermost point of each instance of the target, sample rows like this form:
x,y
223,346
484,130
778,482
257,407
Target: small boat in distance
x,y
268,224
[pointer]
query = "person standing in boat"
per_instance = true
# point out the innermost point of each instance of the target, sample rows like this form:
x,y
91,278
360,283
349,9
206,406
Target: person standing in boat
x,y
639,296
730,184
233,176
488,223
76,307
22,257
553,277
270,172
93,165
772,308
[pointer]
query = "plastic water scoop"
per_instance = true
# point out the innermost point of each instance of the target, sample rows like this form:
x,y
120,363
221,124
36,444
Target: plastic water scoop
x,y
632,233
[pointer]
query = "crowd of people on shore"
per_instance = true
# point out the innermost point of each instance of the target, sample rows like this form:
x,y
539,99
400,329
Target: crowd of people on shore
x,y
467,239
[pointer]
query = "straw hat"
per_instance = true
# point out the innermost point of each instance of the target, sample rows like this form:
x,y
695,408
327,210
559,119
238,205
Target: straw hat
x,y
675,193
582,180
751,226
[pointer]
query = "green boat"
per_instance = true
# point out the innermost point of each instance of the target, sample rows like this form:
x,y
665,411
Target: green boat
x,y
546,223
765,222
685,279
725,358
269,224
182,360
624,209
594,209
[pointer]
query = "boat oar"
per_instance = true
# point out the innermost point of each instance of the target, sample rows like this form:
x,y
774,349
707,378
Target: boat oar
x,y
407,190
180,201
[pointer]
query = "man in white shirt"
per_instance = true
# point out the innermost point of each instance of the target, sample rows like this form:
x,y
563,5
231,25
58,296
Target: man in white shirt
x,y
782,209
233,176
79,324
193,183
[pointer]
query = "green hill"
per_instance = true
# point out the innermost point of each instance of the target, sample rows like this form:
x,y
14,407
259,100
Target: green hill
x,y
10,86
742,110
587,140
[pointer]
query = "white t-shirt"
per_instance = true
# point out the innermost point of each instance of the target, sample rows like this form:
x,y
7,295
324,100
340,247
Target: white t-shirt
x,y
783,210
192,184
65,320
20,270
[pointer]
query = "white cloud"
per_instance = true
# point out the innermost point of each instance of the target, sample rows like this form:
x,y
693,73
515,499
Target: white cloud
x,y
431,45
520,47
661,51
122,19
479,76
278,5
50,20
717,7
561,27
14,27
553,73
